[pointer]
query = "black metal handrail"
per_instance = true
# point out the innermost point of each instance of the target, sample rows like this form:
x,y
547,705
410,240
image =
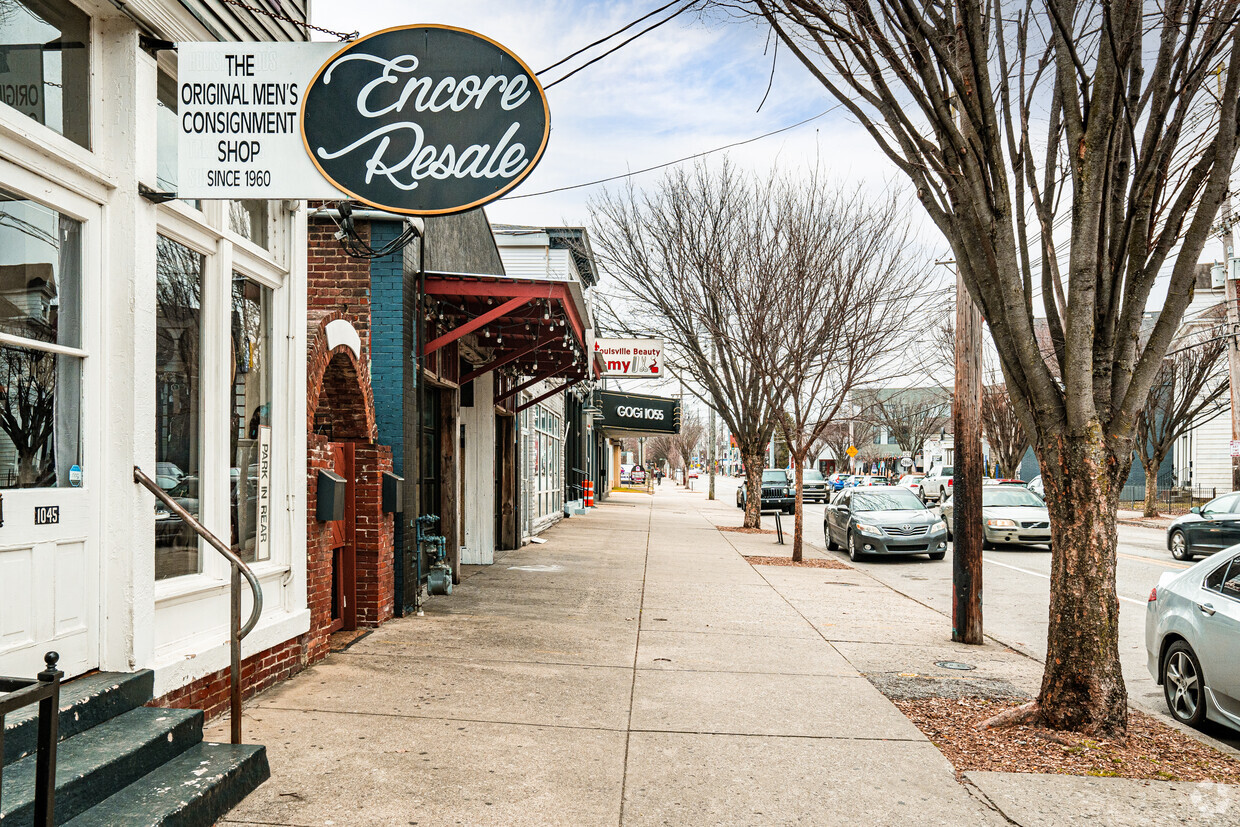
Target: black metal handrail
x,y
239,569
45,691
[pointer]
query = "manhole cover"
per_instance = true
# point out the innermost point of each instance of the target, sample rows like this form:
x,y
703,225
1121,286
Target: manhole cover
x,y
954,664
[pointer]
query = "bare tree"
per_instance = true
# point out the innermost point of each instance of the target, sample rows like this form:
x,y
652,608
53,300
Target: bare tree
x,y
1188,391
681,254
1004,431
910,415
661,449
685,443
1104,126
839,436
842,294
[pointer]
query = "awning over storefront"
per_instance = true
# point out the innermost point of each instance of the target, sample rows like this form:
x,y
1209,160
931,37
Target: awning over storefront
x,y
522,327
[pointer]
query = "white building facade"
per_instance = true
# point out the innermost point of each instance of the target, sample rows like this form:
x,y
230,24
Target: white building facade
x,y
138,330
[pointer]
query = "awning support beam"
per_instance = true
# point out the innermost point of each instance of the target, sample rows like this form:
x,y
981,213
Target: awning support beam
x,y
550,393
550,374
473,324
503,360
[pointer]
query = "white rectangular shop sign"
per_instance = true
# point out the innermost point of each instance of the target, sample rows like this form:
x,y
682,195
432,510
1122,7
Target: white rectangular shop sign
x,y
239,114
634,358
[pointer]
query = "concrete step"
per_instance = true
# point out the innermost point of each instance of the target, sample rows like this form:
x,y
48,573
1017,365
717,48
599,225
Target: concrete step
x,y
195,788
84,703
96,763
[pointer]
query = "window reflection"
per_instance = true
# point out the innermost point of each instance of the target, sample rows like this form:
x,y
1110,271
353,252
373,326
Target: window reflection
x,y
248,219
45,64
177,363
251,420
167,131
40,392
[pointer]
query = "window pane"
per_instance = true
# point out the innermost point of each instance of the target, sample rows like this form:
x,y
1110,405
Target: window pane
x,y
248,219
251,420
177,347
40,401
45,64
40,272
167,130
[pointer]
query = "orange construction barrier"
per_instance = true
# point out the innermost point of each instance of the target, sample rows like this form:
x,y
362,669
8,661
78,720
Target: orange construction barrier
x,y
589,493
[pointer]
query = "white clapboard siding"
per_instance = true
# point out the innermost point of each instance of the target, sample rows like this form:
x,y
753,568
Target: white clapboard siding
x,y
479,470
543,263
1212,453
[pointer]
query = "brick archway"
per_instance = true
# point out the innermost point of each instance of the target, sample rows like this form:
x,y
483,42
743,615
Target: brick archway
x,y
340,409
338,386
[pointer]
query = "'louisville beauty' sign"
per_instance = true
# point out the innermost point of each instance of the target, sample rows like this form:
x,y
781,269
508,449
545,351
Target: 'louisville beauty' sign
x,y
425,120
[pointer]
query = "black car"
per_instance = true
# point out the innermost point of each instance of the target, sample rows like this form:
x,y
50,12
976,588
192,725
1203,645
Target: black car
x,y
777,491
883,519
1205,530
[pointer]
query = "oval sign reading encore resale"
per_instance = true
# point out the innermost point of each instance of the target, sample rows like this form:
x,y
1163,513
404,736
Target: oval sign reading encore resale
x,y
425,120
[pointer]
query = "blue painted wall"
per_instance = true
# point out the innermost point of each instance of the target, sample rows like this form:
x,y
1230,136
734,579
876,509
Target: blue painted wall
x,y
386,320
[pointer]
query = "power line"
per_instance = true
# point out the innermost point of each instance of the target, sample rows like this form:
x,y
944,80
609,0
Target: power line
x,y
609,37
679,160
622,44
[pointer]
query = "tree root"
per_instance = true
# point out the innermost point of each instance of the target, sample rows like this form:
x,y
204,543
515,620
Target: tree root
x,y
1029,714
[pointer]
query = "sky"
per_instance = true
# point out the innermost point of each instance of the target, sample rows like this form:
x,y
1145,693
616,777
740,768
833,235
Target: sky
x,y
686,87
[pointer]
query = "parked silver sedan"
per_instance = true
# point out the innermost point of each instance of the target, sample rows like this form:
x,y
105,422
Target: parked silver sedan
x,y
1192,640
1010,514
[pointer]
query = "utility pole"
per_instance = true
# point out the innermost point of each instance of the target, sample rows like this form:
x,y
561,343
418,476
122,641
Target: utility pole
x,y
1233,322
967,533
1233,346
710,454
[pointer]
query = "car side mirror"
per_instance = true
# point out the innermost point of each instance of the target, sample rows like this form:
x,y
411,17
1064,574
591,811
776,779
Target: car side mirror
x,y
1194,510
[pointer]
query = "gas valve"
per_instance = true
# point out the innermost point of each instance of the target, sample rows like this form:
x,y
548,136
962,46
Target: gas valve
x,y
439,572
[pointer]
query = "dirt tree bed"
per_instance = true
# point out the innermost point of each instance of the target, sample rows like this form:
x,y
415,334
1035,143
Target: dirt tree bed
x,y
802,564
740,529
1153,751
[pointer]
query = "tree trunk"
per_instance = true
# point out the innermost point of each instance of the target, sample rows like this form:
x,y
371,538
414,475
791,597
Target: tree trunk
x,y
1082,687
1151,489
798,516
752,457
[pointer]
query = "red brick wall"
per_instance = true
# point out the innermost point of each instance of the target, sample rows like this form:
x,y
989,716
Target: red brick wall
x,y
376,574
258,672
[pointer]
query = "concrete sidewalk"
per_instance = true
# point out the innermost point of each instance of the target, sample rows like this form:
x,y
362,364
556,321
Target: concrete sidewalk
x,y
635,669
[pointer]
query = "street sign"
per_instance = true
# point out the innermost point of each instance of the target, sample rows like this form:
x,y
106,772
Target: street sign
x,y
852,451
906,462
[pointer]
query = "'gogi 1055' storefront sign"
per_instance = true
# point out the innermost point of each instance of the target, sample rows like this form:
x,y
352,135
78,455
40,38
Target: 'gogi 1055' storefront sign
x,y
639,412
423,120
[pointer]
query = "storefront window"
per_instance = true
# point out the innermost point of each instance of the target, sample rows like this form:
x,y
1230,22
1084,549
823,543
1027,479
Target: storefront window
x,y
251,420
40,305
178,335
45,64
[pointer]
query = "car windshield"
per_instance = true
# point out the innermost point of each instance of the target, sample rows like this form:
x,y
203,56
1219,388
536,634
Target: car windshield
x,y
774,476
897,499
812,476
1010,496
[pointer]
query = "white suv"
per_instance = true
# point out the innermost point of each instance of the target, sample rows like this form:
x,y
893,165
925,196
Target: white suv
x,y
937,485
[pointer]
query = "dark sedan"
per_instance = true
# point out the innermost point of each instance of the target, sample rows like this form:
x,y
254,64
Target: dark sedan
x,y
883,520
1205,530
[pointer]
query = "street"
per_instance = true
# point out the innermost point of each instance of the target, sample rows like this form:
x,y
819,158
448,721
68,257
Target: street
x,y
1016,592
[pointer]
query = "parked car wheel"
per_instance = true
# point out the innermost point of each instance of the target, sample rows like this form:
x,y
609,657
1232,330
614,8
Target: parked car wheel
x,y
1183,684
831,544
739,502
1179,546
853,554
